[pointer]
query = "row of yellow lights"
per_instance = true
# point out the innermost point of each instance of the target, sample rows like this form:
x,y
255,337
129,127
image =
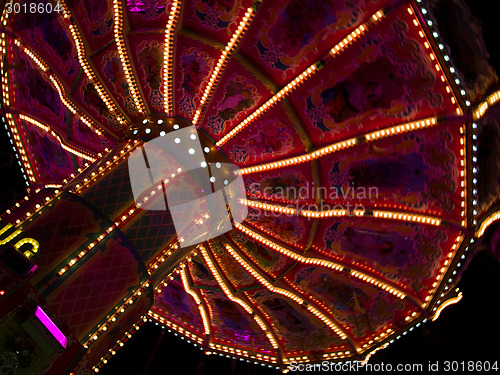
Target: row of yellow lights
x,y
80,49
268,104
231,297
112,351
293,211
122,52
341,145
433,58
463,175
72,262
318,262
483,106
407,217
26,166
380,337
62,143
155,264
233,42
59,87
256,275
241,353
175,327
108,166
168,57
197,299
135,207
355,34
486,223
280,95
113,318
443,269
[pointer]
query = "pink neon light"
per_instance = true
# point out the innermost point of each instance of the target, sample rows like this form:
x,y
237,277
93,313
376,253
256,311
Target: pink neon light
x,y
49,324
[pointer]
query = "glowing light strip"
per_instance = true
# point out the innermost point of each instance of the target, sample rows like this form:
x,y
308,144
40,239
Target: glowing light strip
x,y
122,52
233,42
80,48
109,165
298,80
113,318
341,145
485,105
319,262
112,351
19,150
433,58
293,211
355,34
203,313
234,299
155,264
256,275
486,223
50,325
268,104
447,303
463,175
184,332
62,143
168,57
443,270
72,262
59,87
407,217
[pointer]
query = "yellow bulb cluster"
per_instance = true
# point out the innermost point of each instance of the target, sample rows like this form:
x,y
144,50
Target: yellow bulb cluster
x,y
256,275
341,145
160,319
80,49
234,299
410,126
62,142
356,33
268,104
33,56
72,262
123,54
242,353
59,87
407,217
197,299
71,106
168,57
224,57
486,223
293,211
448,302
381,336
443,269
108,166
377,283
485,105
114,317
319,262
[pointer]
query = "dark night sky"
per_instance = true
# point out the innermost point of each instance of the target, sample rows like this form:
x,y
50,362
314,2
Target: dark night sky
x,y
464,331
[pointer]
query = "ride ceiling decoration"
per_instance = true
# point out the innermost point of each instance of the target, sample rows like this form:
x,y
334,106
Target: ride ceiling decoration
x,y
356,138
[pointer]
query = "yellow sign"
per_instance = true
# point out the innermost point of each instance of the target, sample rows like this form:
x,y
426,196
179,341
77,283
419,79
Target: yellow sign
x,y
5,238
